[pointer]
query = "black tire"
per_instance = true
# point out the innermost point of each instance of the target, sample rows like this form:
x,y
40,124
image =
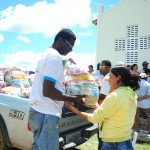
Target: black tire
x,y
3,145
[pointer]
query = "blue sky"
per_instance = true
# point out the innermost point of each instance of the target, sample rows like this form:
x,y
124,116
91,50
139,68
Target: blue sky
x,y
28,27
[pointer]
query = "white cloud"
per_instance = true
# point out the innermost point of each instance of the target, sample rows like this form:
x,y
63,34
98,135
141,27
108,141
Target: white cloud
x,y
22,57
47,18
89,33
1,38
23,38
77,42
83,60
94,16
29,59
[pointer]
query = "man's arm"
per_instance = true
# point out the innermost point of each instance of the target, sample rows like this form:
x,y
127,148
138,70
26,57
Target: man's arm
x,y
101,98
51,92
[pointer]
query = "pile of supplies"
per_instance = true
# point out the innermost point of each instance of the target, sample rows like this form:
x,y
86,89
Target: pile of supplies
x,y
16,83
79,82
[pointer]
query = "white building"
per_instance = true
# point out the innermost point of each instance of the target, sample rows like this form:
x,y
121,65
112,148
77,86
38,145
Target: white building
x,y
124,33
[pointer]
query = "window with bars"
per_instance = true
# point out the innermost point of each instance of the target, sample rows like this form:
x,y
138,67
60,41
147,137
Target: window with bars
x,y
131,44
144,42
132,31
119,45
132,58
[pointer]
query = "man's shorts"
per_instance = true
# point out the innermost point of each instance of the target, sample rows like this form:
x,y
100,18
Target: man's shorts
x,y
142,112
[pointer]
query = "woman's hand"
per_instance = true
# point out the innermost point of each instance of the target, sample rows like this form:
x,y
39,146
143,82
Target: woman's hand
x,y
72,108
75,110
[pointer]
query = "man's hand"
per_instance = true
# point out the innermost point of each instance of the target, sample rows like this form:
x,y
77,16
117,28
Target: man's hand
x,y
79,100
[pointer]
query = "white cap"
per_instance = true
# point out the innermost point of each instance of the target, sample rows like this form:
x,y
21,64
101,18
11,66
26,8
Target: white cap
x,y
120,63
143,75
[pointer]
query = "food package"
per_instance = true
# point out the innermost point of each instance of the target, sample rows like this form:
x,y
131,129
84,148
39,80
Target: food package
x,y
11,90
79,82
90,100
88,88
14,75
83,76
25,92
74,71
2,84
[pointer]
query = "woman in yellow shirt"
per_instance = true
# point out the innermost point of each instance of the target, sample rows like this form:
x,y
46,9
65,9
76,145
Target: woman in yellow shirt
x,y
117,112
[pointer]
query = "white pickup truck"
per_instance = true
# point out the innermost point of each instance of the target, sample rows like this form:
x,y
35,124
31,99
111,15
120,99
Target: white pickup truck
x,y
14,131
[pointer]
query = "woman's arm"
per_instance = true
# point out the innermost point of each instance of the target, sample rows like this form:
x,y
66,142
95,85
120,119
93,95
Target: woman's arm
x,y
76,111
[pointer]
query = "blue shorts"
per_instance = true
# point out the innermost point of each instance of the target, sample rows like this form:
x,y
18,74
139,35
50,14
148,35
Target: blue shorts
x,y
125,145
45,130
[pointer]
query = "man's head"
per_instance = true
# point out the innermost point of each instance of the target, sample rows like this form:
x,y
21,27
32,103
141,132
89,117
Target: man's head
x,y
64,41
145,65
105,66
90,68
128,67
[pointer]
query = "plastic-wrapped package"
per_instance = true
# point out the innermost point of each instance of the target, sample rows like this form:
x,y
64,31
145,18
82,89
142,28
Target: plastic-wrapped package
x,y
2,84
11,90
73,71
25,92
18,83
14,75
90,100
79,82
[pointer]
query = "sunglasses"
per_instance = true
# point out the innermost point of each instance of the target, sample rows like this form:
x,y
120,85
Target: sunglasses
x,y
103,67
69,44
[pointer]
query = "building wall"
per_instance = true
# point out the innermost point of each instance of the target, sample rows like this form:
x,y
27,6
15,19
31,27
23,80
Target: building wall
x,y
112,25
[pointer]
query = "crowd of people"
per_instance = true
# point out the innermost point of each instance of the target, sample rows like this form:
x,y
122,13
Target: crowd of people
x,y
123,88
143,92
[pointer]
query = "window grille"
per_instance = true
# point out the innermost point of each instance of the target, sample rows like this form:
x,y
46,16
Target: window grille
x,y
132,45
144,42
132,31
119,45
132,57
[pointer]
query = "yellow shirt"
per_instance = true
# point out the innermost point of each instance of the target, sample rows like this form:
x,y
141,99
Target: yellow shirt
x,y
116,115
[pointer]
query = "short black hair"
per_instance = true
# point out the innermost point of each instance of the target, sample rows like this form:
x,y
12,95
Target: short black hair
x,y
65,34
90,66
107,63
98,66
133,66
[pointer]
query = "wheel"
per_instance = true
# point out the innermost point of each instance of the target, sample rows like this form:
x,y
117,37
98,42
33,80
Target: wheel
x,y
3,145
